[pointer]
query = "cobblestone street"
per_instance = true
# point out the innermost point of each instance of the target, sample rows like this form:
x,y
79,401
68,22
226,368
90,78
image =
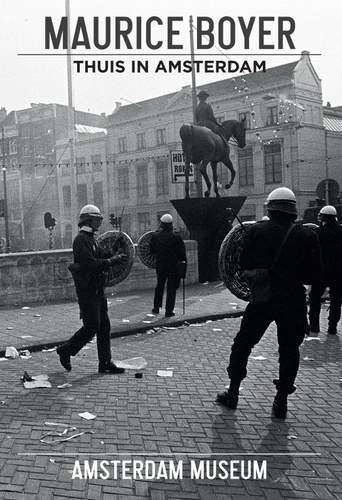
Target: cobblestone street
x,y
164,418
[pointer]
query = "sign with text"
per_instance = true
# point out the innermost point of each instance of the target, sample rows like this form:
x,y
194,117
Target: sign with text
x,y
178,167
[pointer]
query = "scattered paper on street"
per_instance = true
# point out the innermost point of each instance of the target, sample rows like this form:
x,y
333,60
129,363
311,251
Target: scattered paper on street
x,y
87,416
165,373
132,364
258,358
217,329
11,352
64,386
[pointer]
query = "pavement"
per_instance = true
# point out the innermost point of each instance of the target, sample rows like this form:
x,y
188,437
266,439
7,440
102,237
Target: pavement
x,y
154,420
38,326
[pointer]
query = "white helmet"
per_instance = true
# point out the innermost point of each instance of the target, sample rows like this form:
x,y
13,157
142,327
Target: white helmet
x,y
90,211
282,200
328,210
265,217
166,219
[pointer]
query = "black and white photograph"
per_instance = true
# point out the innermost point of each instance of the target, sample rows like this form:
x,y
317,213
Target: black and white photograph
x,y
170,250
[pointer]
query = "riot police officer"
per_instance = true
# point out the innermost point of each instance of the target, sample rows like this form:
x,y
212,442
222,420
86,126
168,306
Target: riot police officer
x,y
330,238
291,254
90,262
170,253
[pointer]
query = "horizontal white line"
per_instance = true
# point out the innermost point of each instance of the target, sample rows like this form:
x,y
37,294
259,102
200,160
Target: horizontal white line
x,y
298,454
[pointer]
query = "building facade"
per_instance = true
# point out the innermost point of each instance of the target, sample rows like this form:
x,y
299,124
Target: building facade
x,y
123,162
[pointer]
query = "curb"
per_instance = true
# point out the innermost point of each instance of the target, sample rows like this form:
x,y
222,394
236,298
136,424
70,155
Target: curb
x,y
135,329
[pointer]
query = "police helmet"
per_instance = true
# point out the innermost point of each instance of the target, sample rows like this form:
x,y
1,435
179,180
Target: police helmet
x,y
90,211
282,200
203,93
328,210
166,219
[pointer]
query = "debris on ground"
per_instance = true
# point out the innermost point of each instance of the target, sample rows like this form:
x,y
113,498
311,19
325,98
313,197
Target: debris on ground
x,y
35,381
307,339
138,375
64,386
9,328
49,350
25,354
36,315
308,359
26,336
26,307
87,416
61,436
132,364
258,358
164,373
11,352
217,329
125,320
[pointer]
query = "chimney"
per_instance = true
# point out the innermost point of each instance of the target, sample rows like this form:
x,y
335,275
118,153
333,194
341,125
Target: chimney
x,y
117,107
305,54
3,114
328,104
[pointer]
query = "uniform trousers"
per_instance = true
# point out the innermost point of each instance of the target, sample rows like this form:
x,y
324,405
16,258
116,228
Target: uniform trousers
x,y
171,280
94,315
291,320
335,294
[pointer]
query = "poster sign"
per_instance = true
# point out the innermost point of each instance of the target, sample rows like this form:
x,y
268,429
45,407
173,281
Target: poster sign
x,y
178,167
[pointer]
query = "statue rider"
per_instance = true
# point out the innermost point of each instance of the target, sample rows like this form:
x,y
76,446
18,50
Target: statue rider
x,y
205,115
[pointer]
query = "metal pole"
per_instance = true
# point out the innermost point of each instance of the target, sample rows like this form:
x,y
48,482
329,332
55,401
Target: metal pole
x,y
326,167
183,295
198,177
71,132
4,172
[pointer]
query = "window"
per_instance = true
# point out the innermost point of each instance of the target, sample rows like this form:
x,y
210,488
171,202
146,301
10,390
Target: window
x,y
67,197
144,222
272,162
12,146
141,141
96,163
82,195
247,115
80,165
245,162
162,177
161,136
123,183
26,149
142,180
272,116
98,194
122,144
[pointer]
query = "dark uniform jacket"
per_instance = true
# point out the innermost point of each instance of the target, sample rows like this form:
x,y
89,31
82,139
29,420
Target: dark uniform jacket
x,y
169,249
298,264
330,239
90,262
204,113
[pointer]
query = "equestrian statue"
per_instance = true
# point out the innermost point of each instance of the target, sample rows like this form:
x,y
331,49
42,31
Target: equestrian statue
x,y
207,142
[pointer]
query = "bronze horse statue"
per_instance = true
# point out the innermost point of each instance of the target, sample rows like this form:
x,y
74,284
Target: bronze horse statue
x,y
202,146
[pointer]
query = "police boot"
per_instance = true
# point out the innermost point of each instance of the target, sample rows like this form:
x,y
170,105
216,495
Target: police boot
x,y
229,398
279,408
110,368
64,358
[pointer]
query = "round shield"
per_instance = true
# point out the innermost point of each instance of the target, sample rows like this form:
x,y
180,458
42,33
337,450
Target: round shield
x,y
229,262
115,242
143,250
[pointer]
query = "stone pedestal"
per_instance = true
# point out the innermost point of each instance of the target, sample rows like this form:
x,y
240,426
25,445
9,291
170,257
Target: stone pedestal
x,y
208,222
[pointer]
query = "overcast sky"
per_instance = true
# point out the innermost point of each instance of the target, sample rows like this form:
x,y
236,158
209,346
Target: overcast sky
x,y
43,79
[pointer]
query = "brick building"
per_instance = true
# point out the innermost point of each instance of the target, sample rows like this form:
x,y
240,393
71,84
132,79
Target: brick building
x,y
30,137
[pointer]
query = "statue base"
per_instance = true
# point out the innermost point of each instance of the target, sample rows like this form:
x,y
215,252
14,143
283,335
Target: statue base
x,y
208,221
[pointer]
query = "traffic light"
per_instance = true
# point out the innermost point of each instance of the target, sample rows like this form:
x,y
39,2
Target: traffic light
x,y
49,221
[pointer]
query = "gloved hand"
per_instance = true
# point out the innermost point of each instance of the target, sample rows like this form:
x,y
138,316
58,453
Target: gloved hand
x,y
117,258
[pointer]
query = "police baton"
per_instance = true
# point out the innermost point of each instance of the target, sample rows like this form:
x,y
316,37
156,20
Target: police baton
x,y
183,295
